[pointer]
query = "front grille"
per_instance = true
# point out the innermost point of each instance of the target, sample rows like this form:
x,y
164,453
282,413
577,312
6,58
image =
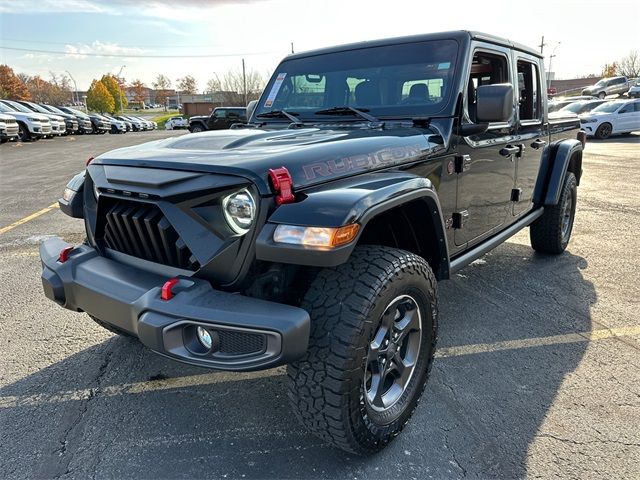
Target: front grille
x,y
240,343
141,230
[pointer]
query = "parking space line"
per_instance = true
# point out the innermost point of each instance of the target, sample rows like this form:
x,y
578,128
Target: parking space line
x,y
28,218
12,401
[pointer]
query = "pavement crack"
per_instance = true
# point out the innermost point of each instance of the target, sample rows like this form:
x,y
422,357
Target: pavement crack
x,y
590,442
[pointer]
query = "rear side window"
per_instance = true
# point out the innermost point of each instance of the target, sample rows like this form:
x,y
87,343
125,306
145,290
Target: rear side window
x,y
529,99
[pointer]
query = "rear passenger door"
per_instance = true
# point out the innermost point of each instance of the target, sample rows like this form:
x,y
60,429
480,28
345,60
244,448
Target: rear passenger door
x,y
532,133
487,173
628,118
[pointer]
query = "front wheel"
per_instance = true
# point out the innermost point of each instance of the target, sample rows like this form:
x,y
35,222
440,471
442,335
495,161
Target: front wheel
x,y
23,133
602,95
373,336
552,231
197,129
604,131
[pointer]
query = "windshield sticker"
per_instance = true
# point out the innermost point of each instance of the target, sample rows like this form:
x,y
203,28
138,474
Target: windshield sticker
x,y
275,89
444,66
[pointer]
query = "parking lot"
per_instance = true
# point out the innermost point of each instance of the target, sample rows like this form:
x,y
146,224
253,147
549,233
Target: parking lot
x,y
537,372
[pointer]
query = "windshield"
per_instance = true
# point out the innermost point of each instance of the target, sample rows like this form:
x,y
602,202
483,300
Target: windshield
x,y
405,80
5,109
600,83
17,106
609,107
76,112
38,108
52,109
574,107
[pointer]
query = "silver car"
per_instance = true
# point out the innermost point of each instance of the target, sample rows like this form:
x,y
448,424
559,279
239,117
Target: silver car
x,y
608,86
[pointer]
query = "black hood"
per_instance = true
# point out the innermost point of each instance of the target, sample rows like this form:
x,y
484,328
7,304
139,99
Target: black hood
x,y
312,155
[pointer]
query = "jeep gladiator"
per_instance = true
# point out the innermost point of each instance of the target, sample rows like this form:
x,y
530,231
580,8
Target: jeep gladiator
x,y
314,235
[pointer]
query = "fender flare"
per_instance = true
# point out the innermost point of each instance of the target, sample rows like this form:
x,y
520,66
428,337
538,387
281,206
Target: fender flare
x,y
556,161
345,202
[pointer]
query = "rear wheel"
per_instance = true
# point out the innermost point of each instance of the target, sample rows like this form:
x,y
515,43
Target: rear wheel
x,y
373,335
604,131
552,231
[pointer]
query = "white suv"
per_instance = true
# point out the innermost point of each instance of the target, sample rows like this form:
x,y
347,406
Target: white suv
x,y
611,118
58,125
31,126
176,122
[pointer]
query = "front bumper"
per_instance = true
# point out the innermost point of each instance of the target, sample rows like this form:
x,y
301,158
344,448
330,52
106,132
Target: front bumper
x,y
248,333
9,131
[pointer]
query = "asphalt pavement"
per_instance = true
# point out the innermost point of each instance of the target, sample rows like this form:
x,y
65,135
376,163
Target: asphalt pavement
x,y
537,372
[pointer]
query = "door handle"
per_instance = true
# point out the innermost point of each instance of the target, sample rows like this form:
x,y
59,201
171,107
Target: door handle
x,y
510,150
538,143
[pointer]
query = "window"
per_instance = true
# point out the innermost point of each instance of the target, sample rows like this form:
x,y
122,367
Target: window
x,y
528,90
636,105
486,69
220,113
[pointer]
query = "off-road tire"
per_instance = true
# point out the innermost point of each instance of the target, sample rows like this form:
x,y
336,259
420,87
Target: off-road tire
x,y
604,131
111,328
547,233
197,128
327,386
24,135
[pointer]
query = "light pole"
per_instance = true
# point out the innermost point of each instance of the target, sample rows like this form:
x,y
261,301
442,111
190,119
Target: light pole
x,y
553,54
219,88
120,93
75,86
244,82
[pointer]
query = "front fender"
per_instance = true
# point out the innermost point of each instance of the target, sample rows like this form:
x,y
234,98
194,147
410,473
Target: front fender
x,y
355,200
556,161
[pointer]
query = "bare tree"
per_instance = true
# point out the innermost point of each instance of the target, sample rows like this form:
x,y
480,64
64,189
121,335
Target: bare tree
x,y
213,85
187,85
233,87
629,66
162,85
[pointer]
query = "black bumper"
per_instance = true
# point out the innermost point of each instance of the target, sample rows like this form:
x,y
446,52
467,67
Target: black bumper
x,y
248,333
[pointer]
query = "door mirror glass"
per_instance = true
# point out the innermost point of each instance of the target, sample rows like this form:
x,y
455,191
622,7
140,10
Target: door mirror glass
x,y
494,102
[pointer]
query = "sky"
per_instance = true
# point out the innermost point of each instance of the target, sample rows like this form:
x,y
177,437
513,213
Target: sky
x,y
205,39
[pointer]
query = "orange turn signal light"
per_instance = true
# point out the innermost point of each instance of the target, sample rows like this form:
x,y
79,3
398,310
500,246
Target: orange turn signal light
x,y
344,235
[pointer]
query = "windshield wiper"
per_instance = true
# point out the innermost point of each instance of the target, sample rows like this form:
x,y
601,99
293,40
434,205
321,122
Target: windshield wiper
x,y
346,110
282,114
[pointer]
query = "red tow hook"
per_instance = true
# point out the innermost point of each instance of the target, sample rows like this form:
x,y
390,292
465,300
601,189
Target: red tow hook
x,y
64,254
167,289
282,185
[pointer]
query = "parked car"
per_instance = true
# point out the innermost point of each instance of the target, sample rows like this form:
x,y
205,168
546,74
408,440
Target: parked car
x,y
56,123
221,118
316,238
83,124
8,128
31,126
117,125
611,118
136,123
634,91
84,121
175,123
70,122
100,124
608,86
146,124
582,106
556,105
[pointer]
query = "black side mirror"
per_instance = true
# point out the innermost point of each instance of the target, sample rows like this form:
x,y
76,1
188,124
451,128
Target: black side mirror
x,y
494,103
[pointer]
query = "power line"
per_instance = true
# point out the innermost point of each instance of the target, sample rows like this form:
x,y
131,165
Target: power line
x,y
133,55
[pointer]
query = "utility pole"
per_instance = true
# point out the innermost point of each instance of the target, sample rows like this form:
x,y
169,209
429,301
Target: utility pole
x,y
74,97
292,48
553,54
542,45
244,82
120,93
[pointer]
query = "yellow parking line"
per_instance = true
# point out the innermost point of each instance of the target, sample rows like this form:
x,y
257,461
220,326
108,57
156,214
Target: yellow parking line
x,y
29,218
190,381
538,342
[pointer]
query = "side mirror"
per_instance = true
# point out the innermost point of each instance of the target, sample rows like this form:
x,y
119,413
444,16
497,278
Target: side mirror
x,y
251,106
494,103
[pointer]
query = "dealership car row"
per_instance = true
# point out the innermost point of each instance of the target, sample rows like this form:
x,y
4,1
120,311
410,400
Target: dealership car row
x,y
26,121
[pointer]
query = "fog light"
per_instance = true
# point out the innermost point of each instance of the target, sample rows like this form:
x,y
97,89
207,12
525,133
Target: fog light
x,y
204,337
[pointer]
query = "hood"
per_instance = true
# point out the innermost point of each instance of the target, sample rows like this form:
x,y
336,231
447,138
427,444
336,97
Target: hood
x,y
199,117
312,155
37,116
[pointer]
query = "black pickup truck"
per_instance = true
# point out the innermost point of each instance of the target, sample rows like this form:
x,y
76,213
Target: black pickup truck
x,y
314,235
221,118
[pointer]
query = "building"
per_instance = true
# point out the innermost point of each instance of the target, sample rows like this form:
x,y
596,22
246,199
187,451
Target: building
x,y
150,95
198,104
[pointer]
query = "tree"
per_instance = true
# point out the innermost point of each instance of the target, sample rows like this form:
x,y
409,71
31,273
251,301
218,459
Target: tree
x,y
139,90
233,87
99,98
162,86
213,86
187,85
629,66
609,70
117,92
11,86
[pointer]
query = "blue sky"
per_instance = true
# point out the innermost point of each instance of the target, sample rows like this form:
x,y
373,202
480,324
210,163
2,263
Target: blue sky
x,y
261,31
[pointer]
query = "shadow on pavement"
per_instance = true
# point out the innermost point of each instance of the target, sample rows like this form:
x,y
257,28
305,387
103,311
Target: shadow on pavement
x,y
478,416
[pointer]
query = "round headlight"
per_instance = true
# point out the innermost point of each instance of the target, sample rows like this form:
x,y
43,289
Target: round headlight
x,y
239,211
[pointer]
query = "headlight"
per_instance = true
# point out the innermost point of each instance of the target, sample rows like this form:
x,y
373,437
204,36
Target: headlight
x,y
239,211
316,237
31,119
588,120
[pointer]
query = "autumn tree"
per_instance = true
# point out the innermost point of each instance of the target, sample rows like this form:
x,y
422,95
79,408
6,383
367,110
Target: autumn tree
x,y
629,66
117,92
187,85
99,99
11,86
139,90
162,85
609,70
54,92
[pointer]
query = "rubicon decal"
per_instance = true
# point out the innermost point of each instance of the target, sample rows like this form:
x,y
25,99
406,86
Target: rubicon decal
x,y
385,156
